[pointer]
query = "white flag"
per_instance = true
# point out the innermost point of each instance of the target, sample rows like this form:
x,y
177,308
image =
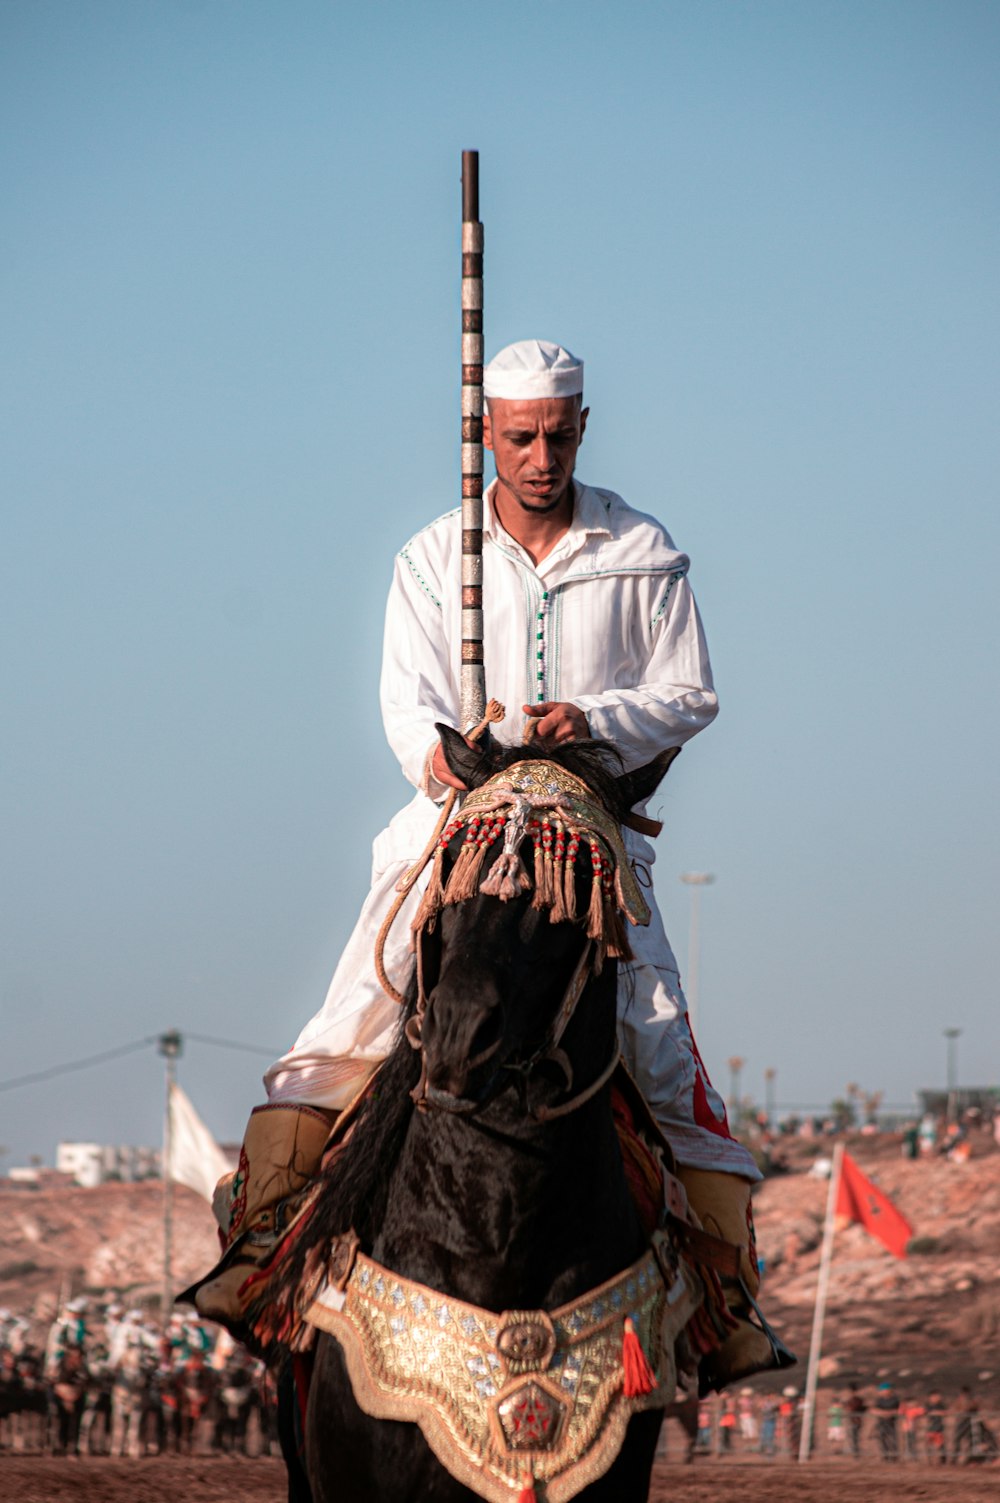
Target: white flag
x,y
196,1159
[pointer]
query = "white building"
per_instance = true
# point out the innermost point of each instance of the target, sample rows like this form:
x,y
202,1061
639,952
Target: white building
x,y
85,1161
93,1164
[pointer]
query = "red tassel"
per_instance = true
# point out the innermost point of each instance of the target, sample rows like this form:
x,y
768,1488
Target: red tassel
x,y
639,1376
527,1493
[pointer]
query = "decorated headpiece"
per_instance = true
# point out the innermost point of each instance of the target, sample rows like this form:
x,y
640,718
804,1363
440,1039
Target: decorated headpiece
x,y
541,802
533,368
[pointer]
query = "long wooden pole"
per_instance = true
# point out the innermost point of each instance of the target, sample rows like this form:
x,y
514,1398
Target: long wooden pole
x,y
473,679
822,1285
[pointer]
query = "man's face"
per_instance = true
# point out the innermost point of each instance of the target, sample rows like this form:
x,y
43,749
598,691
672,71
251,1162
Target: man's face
x,y
534,444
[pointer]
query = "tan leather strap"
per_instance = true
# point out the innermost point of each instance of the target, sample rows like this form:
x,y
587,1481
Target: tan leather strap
x,y
724,1257
642,825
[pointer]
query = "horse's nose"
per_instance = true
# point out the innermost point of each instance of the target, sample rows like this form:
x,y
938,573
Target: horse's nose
x,y
459,1045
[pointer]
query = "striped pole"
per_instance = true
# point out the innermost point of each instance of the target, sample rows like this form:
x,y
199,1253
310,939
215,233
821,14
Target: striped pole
x,y
473,671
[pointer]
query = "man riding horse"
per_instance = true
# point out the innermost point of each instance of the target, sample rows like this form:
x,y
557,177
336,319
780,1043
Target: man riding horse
x,y
590,625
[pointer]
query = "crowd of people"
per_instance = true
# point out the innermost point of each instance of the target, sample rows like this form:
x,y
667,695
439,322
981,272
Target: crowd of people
x,y
855,1423
105,1380
109,1381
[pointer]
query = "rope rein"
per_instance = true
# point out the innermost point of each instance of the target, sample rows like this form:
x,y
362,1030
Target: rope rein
x,y
494,714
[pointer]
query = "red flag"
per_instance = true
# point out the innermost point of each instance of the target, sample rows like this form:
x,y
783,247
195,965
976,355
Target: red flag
x,y
859,1200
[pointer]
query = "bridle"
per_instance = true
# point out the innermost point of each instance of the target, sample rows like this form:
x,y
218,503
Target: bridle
x,y
518,826
427,1097
550,1050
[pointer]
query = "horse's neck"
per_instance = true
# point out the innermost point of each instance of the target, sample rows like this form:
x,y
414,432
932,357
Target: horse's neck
x,y
503,1213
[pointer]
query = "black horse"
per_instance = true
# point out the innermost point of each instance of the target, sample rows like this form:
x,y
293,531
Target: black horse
x,y
481,1194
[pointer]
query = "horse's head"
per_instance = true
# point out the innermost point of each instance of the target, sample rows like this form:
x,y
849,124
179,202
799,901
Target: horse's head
x,y
529,892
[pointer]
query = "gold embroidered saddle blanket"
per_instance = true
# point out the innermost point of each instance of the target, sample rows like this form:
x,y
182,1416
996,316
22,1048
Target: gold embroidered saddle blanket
x,y
519,1399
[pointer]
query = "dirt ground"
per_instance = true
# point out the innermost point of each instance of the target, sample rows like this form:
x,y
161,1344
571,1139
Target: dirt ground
x,y
46,1479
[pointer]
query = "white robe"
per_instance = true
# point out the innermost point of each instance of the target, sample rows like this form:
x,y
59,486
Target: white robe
x,y
608,621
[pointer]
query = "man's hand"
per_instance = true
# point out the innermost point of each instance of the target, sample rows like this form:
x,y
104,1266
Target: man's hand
x,y
443,772
559,722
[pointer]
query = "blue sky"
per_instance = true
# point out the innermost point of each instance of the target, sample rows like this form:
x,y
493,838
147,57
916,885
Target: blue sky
x,y
229,283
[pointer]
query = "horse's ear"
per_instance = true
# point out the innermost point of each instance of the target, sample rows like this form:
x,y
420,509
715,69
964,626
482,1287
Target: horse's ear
x,y
636,786
472,765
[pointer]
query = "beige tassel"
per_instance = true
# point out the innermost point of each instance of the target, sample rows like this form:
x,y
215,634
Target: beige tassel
x,y
569,878
569,873
507,878
569,891
557,913
538,901
595,913
433,898
476,866
548,871
462,883
615,938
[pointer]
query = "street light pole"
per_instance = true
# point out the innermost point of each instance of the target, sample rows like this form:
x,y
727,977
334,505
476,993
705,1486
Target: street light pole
x,y
696,881
169,1045
952,1036
769,1075
736,1063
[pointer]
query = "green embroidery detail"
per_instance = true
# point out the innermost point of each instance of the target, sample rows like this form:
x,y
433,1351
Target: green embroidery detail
x,y
625,573
456,511
532,594
663,603
554,664
421,581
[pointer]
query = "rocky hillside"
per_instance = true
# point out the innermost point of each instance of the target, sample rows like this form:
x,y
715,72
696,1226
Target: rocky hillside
x,y
107,1242
933,1316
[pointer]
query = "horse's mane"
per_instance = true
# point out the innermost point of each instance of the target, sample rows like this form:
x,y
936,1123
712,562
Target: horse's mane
x,y
356,1179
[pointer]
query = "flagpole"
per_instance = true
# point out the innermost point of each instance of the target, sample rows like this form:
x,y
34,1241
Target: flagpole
x,y
169,1045
823,1283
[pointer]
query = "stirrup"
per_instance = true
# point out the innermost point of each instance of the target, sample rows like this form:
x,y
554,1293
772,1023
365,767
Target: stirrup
x,y
783,1357
712,1370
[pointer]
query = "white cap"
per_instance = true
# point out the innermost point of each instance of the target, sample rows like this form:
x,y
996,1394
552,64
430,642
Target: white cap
x,y
533,368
